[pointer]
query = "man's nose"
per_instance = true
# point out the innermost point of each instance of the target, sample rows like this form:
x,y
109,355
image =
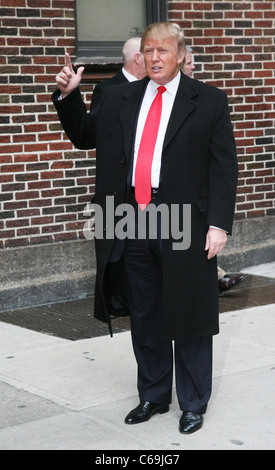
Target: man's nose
x,y
155,55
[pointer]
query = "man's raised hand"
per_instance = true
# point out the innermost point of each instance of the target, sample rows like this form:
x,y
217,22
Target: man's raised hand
x,y
67,80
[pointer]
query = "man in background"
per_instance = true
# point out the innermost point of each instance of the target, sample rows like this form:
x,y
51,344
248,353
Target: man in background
x,y
133,69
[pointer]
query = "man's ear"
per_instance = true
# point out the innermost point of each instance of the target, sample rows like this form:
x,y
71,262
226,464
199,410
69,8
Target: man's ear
x,y
137,57
181,57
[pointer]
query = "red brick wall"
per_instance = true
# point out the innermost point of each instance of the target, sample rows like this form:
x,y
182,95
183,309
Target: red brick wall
x,y
45,182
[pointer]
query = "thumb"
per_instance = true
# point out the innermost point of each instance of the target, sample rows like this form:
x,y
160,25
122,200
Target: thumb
x,y
80,71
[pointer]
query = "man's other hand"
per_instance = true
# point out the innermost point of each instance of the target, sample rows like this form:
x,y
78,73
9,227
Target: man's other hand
x,y
67,80
215,241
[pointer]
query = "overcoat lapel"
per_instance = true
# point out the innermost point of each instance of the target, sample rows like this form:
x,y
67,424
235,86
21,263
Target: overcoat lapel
x,y
128,112
184,105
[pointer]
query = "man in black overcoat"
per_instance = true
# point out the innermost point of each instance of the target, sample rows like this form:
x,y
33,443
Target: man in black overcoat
x,y
172,284
133,69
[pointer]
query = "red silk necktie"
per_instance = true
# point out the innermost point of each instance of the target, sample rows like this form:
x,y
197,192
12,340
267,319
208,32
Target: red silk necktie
x,y
146,152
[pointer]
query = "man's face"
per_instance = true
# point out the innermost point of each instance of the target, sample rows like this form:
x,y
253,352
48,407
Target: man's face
x,y
162,59
189,66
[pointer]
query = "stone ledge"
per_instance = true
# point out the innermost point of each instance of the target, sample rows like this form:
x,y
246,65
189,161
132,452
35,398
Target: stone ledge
x,y
44,274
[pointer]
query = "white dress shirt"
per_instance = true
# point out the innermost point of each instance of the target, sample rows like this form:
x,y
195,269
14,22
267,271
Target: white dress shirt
x,y
168,98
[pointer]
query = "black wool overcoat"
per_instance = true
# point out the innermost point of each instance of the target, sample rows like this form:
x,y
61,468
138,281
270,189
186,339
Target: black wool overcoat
x,y
198,168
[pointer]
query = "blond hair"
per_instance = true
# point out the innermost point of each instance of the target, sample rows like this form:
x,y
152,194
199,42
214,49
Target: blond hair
x,y
165,30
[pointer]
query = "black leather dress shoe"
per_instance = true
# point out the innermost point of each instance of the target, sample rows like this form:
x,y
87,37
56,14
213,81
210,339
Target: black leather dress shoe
x,y
144,411
190,422
227,282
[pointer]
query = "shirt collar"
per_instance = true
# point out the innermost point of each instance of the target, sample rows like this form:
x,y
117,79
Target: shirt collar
x,y
171,87
128,75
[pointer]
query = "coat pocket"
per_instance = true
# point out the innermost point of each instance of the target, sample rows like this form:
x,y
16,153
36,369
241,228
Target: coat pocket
x,y
203,204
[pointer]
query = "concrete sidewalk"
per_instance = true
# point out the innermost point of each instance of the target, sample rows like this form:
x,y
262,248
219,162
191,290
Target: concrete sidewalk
x,y
73,395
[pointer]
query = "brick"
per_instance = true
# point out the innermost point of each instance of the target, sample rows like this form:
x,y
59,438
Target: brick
x,y
60,146
7,11
234,48
23,99
25,157
5,159
7,234
52,174
42,220
65,217
27,231
7,215
40,203
39,185
32,32
17,223
39,3
6,197
35,147
53,228
27,177
24,138
28,12
40,240
63,4
10,109
50,156
12,168
202,6
55,210
32,51
39,22
8,31
16,242
35,128
63,165
27,195
28,213
223,6
52,193
50,136
64,236
10,130
65,182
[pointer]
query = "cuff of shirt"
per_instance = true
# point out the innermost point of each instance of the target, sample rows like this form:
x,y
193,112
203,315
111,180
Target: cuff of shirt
x,y
218,228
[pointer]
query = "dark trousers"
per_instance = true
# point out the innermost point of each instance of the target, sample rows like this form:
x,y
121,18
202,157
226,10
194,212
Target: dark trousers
x,y
155,356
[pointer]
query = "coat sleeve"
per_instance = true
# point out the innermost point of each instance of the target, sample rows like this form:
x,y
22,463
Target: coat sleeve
x,y
223,169
97,97
78,124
